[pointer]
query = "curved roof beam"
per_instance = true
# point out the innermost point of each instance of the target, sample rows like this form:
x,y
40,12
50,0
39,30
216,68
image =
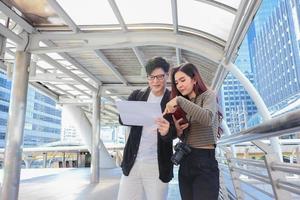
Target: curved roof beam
x,y
260,104
219,5
100,40
241,23
247,11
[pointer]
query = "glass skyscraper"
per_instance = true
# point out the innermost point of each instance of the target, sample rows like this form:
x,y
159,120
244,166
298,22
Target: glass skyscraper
x,y
270,53
238,105
275,53
43,119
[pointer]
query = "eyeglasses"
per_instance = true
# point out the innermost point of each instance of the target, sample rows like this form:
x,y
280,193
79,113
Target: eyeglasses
x,y
159,77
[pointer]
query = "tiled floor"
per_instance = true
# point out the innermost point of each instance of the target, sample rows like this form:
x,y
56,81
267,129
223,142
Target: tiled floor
x,y
73,184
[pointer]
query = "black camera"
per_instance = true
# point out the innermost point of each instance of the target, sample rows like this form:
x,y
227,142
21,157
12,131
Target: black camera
x,y
181,149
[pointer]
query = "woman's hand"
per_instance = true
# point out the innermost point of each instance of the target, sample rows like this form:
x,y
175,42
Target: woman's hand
x,y
171,106
163,126
180,127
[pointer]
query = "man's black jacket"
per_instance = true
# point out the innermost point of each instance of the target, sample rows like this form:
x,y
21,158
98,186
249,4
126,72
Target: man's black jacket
x,y
164,143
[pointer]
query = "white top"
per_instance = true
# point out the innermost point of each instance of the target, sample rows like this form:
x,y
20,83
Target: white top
x,y
148,144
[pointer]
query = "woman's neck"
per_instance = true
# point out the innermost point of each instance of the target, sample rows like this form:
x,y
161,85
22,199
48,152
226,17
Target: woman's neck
x,y
192,95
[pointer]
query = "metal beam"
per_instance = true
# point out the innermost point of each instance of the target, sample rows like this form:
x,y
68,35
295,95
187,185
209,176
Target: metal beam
x,y
236,23
61,90
61,12
44,79
10,35
139,55
242,30
178,56
66,71
118,15
260,104
79,90
75,63
45,90
218,4
111,66
125,29
16,18
198,45
174,16
175,28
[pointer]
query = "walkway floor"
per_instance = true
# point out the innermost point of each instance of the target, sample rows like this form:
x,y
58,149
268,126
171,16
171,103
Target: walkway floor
x,y
73,184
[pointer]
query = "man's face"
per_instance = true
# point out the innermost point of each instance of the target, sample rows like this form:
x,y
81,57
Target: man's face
x,y
157,81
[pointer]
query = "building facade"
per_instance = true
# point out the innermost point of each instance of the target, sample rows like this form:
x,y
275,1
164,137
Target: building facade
x,y
43,119
274,43
237,104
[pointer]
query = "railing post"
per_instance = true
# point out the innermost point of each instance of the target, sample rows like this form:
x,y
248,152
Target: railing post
x,y
298,155
270,158
223,189
235,175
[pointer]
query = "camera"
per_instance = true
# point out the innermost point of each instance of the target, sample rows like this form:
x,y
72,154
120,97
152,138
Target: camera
x,y
181,149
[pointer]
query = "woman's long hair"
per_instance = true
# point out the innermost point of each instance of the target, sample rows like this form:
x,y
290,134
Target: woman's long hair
x,y
200,87
192,71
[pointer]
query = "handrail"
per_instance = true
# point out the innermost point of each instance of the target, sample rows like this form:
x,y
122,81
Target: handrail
x,y
274,127
289,186
257,163
254,175
287,167
257,188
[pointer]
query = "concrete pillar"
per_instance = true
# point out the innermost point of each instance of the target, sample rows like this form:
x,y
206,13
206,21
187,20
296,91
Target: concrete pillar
x,y
81,159
44,160
27,163
95,173
83,126
16,119
298,155
64,160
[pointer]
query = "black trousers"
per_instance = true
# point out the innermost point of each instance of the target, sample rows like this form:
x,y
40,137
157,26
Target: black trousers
x,y
199,175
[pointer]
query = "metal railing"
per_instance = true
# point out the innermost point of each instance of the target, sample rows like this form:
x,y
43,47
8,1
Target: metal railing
x,y
268,177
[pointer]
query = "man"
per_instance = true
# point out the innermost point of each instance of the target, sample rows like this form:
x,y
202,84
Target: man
x,y
146,165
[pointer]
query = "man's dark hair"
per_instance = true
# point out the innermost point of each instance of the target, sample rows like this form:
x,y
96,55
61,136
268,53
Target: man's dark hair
x,y
157,62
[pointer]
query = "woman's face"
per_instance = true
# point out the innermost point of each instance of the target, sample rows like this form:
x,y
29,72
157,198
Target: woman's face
x,y
185,84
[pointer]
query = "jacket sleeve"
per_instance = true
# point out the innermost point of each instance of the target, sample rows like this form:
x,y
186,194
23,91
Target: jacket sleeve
x,y
132,97
203,114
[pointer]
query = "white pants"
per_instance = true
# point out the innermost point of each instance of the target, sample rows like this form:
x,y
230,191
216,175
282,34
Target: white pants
x,y
143,183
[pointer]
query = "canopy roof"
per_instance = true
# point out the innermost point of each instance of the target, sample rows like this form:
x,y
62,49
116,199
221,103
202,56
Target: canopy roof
x,y
78,46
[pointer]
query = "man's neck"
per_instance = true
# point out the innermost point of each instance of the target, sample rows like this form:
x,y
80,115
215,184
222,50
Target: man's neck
x,y
158,94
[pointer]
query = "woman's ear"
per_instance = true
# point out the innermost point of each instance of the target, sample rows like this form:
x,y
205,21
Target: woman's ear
x,y
194,81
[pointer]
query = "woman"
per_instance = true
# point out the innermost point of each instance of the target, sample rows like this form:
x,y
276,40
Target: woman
x,y
198,172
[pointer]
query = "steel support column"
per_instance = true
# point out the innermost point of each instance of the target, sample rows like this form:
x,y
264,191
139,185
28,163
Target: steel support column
x,y
16,119
95,163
